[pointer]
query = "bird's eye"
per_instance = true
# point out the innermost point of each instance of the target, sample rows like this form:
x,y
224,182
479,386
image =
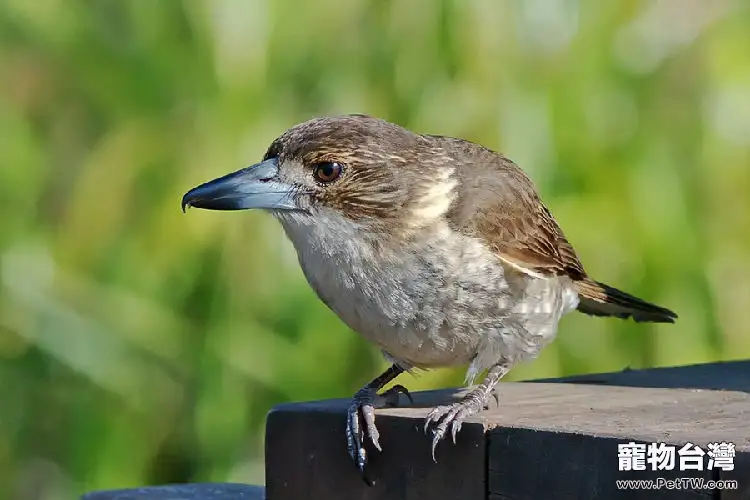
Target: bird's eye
x,y
327,171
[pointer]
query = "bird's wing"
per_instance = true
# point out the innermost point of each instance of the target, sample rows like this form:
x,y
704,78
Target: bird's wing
x,y
498,204
528,239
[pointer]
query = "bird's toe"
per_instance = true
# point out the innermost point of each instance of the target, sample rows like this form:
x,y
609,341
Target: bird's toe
x,y
361,420
453,417
391,396
455,427
368,414
354,437
434,416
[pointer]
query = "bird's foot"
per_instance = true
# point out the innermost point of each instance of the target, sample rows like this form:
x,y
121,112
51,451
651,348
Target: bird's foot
x,y
453,415
361,419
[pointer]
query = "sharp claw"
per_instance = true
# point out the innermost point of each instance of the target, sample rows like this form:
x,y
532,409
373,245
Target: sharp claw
x,y
442,418
433,416
435,441
390,397
376,442
400,389
369,482
455,427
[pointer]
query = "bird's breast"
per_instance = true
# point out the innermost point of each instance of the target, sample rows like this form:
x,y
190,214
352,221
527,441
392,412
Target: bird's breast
x,y
431,301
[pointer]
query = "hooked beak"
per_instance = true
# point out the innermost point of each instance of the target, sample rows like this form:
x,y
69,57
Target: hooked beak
x,y
252,187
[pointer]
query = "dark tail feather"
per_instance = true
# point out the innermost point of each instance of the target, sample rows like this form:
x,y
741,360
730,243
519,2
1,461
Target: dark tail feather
x,y
599,299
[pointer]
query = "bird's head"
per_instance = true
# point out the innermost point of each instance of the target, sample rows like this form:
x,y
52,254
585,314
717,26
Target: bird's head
x,y
367,170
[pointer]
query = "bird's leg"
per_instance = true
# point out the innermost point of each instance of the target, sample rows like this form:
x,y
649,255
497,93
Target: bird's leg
x,y
361,413
472,403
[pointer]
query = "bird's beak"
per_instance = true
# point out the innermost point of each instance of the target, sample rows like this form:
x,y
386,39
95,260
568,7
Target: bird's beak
x,y
252,187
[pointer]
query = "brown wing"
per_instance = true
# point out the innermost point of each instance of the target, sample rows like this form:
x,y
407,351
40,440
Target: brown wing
x,y
498,203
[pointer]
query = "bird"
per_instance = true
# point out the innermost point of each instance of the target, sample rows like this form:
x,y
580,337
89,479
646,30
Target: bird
x,y
436,249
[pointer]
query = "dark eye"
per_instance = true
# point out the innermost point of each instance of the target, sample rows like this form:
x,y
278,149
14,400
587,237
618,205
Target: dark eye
x,y
327,171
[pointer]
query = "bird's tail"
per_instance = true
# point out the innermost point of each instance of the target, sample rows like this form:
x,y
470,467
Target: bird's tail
x,y
599,299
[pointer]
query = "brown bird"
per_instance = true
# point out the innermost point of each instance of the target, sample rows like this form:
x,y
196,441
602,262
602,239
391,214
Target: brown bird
x,y
436,249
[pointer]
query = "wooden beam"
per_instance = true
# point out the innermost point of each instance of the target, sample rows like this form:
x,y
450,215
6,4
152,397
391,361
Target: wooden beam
x,y
544,440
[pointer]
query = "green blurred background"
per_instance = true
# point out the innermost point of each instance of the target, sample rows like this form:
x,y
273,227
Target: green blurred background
x,y
139,345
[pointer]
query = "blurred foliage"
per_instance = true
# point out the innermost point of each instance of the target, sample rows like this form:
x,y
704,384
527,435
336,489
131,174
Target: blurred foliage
x,y
139,345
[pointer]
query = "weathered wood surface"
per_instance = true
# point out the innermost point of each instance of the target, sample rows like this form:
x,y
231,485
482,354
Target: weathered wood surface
x,y
545,440
197,491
